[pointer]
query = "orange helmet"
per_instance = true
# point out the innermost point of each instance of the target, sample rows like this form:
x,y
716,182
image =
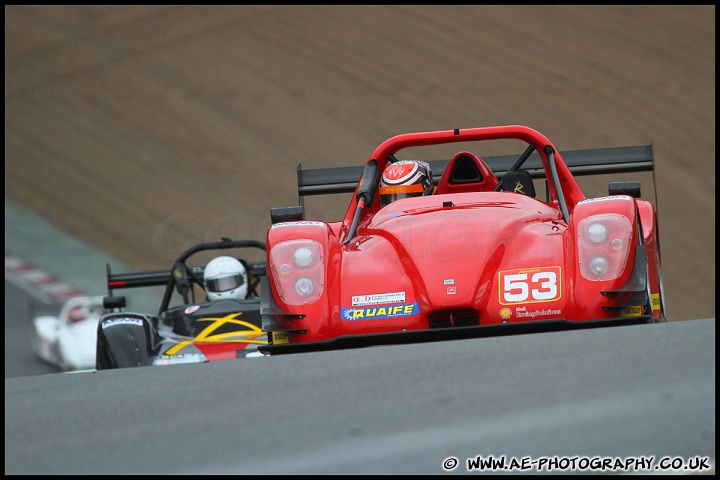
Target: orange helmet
x,y
403,179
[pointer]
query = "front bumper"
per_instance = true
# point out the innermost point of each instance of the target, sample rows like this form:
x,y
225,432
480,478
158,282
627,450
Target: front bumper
x,y
444,334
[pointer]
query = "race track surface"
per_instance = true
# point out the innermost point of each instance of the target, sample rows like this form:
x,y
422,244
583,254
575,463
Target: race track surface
x,y
406,409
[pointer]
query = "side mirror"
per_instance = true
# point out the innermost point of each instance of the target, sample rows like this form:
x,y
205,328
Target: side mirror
x,y
624,188
286,214
114,302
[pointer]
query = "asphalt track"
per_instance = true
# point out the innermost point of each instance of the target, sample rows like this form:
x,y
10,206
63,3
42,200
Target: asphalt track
x,y
636,391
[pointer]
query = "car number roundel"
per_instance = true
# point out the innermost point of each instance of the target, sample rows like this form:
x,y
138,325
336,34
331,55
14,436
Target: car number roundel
x,y
529,285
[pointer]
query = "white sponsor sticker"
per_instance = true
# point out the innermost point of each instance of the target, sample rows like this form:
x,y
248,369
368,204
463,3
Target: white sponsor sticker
x,y
303,223
602,199
111,322
377,299
179,359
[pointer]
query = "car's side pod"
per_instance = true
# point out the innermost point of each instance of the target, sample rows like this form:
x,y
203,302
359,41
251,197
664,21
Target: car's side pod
x,y
268,309
636,285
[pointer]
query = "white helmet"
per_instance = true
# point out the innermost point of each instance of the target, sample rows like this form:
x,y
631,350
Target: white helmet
x,y
225,277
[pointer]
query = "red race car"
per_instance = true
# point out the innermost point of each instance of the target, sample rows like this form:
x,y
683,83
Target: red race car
x,y
463,247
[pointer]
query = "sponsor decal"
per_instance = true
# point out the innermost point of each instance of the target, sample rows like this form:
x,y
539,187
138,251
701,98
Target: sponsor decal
x,y
192,309
179,358
377,313
602,199
505,313
307,223
530,285
111,322
655,301
280,338
632,311
522,312
393,190
519,187
377,299
451,290
449,281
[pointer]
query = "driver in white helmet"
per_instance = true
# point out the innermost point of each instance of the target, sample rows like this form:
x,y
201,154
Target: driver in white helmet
x,y
225,278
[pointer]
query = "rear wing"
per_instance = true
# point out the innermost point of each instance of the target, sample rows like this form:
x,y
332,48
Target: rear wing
x,y
596,161
160,278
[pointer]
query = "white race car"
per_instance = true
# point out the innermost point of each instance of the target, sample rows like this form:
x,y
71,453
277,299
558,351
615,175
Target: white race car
x,y
68,341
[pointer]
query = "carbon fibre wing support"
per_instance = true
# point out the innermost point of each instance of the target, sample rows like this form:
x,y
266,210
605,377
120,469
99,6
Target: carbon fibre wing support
x,y
596,161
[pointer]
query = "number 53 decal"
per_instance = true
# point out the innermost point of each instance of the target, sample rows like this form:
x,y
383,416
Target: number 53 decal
x,y
530,285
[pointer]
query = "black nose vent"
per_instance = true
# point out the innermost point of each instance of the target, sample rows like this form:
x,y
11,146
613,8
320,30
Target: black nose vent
x,y
465,317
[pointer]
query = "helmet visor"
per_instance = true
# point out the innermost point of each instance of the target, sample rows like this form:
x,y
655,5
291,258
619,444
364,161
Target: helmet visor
x,y
395,192
224,283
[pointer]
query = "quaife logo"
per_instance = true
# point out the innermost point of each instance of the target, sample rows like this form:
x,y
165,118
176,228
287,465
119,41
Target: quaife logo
x,y
376,313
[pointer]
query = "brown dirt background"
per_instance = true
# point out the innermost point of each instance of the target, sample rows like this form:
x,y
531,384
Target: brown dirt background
x,y
144,129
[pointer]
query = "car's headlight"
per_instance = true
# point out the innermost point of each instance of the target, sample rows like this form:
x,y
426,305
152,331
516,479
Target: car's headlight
x,y
597,233
603,246
298,270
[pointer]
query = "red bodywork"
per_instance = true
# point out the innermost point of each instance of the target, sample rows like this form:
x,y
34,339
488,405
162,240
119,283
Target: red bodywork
x,y
466,256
